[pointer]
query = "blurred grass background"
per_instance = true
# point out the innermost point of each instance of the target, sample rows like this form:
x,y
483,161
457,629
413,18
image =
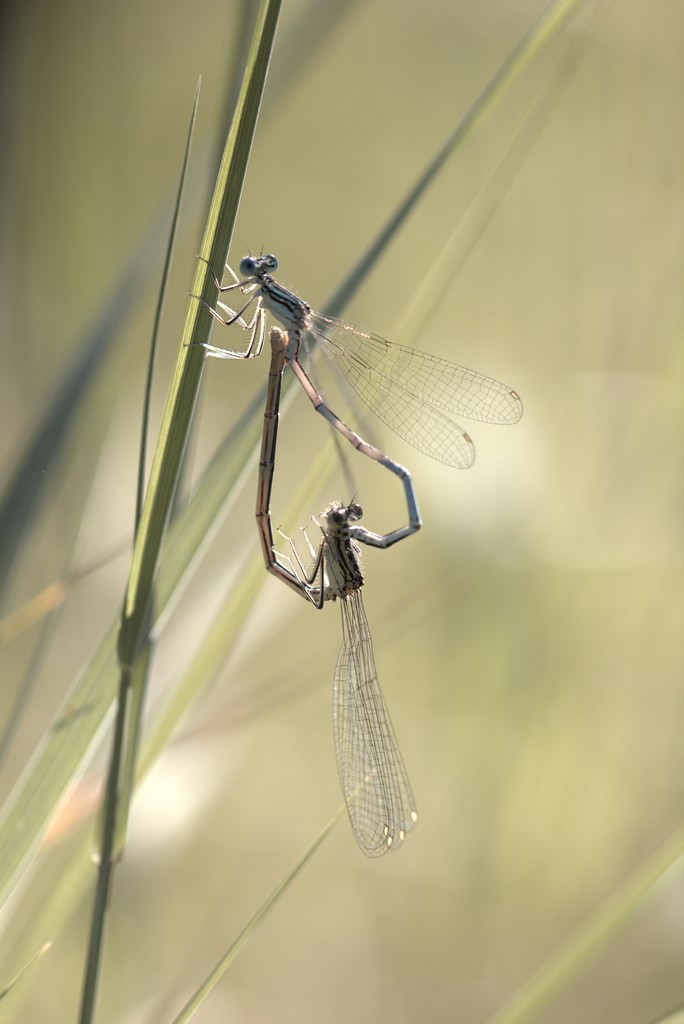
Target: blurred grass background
x,y
528,639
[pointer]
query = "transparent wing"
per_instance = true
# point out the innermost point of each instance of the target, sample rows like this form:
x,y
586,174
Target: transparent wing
x,y
425,428
375,366
372,774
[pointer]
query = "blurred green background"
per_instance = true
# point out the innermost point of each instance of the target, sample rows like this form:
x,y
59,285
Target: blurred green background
x,y
529,639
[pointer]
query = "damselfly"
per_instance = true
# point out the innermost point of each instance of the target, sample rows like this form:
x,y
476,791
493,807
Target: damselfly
x,y
410,391
372,775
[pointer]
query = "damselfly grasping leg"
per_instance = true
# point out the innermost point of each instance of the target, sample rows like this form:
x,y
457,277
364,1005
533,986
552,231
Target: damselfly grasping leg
x,y
372,775
408,390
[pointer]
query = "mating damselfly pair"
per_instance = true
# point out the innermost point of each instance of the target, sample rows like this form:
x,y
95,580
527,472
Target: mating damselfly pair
x,y
412,392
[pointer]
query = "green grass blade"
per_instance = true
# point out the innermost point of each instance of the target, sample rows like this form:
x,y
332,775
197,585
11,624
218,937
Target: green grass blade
x,y
550,22
144,433
590,939
132,682
243,938
467,231
169,451
183,391
132,709
676,1017
180,403
29,963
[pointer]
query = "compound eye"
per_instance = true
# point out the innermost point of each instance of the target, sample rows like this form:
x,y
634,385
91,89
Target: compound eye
x,y
247,266
354,512
270,262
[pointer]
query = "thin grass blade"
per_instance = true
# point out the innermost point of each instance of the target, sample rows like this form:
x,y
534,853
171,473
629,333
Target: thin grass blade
x,y
243,938
132,708
29,963
592,937
175,426
549,23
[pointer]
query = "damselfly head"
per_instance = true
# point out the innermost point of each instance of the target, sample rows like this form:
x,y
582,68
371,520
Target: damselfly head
x,y
250,265
338,516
